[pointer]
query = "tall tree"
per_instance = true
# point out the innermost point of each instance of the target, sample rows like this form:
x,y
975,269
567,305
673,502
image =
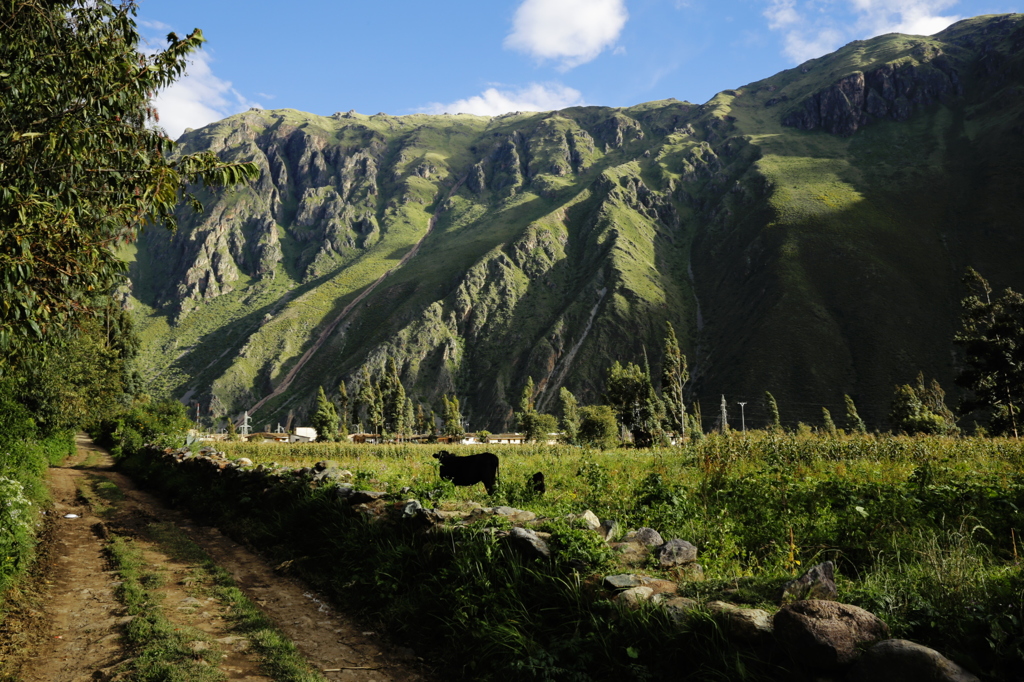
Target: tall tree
x,y
375,412
452,417
827,423
570,416
392,396
674,375
343,403
324,419
992,344
853,421
82,167
630,393
920,408
772,407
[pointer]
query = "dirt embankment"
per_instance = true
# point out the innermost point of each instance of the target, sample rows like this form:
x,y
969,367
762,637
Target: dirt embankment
x,y
68,624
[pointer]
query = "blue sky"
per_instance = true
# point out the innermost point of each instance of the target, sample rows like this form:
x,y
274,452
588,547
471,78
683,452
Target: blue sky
x,y
494,56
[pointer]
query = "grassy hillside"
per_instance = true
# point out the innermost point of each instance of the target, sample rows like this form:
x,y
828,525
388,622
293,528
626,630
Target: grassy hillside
x,y
805,234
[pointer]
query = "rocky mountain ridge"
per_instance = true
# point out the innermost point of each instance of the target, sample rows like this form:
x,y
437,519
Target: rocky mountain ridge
x,y
804,234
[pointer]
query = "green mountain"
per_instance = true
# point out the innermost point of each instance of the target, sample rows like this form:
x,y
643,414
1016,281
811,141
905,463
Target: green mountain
x,y
805,234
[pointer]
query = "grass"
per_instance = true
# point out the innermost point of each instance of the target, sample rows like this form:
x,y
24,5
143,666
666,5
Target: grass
x,y
923,532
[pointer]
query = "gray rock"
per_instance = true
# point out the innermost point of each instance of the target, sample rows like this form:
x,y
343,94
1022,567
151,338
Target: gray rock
x,y
516,515
528,543
632,554
343,491
691,572
679,608
411,509
647,536
634,596
588,519
243,462
826,635
608,529
817,583
623,581
897,660
676,552
747,625
365,496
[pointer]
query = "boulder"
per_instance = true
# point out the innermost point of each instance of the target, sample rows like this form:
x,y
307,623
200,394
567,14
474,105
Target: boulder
x,y
623,581
676,552
608,529
365,496
817,583
527,543
679,608
747,625
646,536
897,660
826,635
588,519
631,553
634,595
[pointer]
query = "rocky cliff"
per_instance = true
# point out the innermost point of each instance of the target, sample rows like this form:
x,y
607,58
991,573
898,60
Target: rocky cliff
x,y
804,234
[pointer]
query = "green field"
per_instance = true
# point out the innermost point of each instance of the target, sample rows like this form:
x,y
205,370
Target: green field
x,y
924,533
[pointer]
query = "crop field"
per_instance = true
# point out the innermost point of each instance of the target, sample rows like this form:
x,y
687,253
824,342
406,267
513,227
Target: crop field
x,y
924,531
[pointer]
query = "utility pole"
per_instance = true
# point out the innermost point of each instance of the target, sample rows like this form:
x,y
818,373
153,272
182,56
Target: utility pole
x,y
743,416
244,428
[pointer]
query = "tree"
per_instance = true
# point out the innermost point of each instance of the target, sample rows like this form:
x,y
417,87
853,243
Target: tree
x,y
598,426
324,419
827,423
343,403
921,409
375,409
452,426
365,398
532,424
82,167
392,395
526,399
409,418
772,407
854,423
674,375
631,395
570,416
421,420
992,345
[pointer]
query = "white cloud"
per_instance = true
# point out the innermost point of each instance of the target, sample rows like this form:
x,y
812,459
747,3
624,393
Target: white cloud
x,y
199,98
492,101
813,28
155,25
571,32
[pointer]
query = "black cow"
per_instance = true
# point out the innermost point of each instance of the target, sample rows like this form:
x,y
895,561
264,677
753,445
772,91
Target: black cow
x,y
537,483
481,468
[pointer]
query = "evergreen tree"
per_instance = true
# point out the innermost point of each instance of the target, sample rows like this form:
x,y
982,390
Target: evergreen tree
x,y
526,399
452,417
324,419
376,408
421,420
827,423
675,373
392,397
365,397
432,425
992,345
570,416
343,404
772,407
409,418
232,430
854,423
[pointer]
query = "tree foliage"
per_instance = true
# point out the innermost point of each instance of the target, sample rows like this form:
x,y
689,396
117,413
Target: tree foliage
x,y
452,420
324,419
598,426
853,421
992,343
631,395
772,407
570,416
921,408
81,168
674,375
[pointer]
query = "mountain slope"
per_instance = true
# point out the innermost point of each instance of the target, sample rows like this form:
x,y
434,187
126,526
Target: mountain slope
x,y
804,234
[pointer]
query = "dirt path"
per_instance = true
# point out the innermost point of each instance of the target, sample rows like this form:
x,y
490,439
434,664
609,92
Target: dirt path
x,y
78,619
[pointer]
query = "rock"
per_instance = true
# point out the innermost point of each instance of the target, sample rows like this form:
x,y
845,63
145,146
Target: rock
x,y
826,635
747,625
817,583
515,515
623,581
897,660
634,595
631,553
690,572
243,462
588,519
528,543
411,509
647,536
679,608
365,496
659,586
676,552
609,529
198,645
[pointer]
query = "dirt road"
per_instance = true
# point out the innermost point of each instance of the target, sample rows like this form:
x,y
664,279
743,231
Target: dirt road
x,y
69,625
